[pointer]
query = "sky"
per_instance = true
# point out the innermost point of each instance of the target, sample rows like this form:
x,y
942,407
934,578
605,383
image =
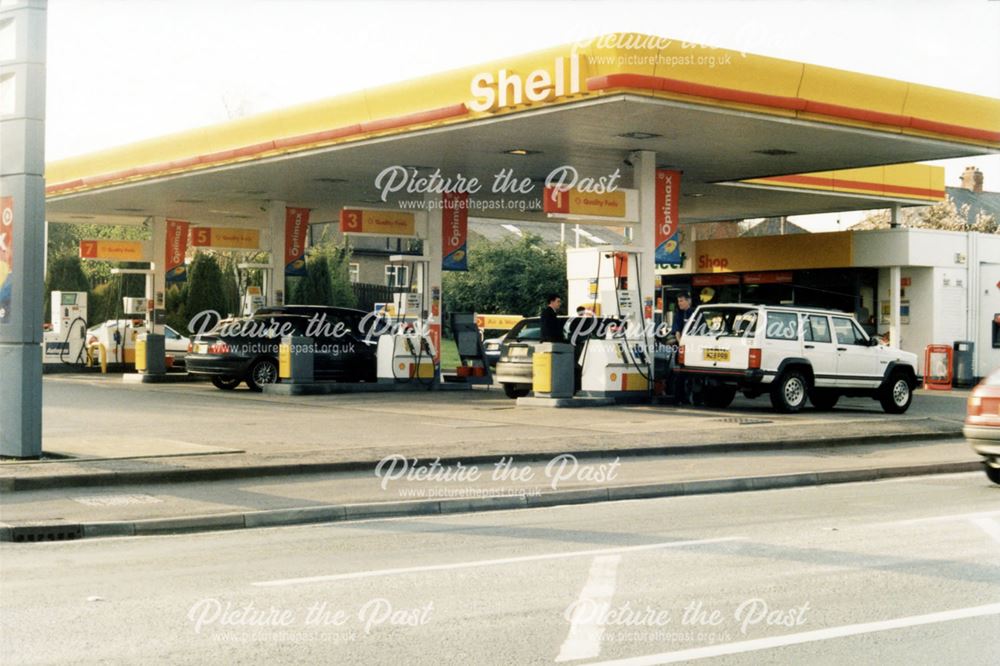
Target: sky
x,y
119,71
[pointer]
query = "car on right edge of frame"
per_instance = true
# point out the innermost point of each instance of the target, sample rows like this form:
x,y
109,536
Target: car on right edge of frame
x,y
792,354
982,423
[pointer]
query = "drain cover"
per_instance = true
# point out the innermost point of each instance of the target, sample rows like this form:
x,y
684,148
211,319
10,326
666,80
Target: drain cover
x,y
116,500
742,420
46,533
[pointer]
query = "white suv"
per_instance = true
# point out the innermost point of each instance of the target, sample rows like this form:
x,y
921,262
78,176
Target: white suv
x,y
790,353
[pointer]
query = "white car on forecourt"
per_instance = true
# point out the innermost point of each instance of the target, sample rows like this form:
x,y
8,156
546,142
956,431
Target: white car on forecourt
x,y
792,354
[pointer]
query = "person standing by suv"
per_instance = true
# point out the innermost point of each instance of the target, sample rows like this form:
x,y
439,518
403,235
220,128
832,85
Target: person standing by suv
x,y
681,317
551,326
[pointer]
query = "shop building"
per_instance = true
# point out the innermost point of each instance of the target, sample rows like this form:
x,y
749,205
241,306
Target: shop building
x,y
947,282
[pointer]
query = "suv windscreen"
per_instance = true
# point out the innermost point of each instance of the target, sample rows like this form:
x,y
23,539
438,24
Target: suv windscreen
x,y
719,322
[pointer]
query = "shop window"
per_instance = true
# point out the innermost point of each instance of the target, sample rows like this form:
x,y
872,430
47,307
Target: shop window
x,y
354,272
996,331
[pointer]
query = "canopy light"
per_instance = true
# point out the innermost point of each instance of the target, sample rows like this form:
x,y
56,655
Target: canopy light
x,y
775,152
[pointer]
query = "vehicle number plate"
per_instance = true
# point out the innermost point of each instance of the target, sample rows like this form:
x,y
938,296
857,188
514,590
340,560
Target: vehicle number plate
x,y
201,348
715,354
518,352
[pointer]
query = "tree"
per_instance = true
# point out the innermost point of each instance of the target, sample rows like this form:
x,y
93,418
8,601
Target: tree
x,y
341,288
205,288
64,239
944,215
65,274
314,288
507,277
327,280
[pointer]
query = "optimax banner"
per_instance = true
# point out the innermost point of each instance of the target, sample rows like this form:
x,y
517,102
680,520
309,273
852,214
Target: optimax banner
x,y
177,243
6,257
668,190
296,226
455,231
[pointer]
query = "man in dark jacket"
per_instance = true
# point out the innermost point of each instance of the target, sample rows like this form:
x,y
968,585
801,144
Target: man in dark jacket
x,y
681,317
552,329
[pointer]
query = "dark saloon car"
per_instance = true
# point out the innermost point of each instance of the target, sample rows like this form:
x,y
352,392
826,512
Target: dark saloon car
x,y
246,350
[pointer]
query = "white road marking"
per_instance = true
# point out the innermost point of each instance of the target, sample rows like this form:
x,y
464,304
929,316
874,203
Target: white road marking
x,y
805,637
988,526
935,519
585,631
489,563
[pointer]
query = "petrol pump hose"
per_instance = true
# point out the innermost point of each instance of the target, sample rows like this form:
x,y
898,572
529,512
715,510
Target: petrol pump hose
x,y
418,355
593,309
628,348
79,360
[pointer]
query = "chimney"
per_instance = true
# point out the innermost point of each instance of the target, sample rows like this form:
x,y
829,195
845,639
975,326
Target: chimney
x,y
972,180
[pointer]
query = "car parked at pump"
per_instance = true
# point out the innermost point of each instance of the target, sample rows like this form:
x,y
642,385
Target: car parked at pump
x,y
514,369
122,333
792,354
982,423
491,348
246,350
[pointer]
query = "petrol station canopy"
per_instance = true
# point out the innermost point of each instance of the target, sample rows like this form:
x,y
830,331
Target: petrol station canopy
x,y
754,136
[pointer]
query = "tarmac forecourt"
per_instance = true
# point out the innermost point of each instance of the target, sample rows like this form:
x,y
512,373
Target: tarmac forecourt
x,y
442,455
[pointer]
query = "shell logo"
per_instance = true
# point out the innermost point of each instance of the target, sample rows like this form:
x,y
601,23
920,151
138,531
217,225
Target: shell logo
x,y
614,376
402,366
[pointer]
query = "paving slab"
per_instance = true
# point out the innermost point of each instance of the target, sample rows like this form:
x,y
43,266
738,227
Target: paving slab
x,y
237,504
173,433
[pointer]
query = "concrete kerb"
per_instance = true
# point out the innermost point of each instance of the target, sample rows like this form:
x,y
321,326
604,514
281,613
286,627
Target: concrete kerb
x,y
121,477
376,510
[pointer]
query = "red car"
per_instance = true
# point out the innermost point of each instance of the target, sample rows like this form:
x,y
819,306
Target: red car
x,y
982,423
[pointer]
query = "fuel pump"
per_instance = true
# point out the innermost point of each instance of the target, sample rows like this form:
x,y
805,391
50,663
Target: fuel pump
x,y
407,352
252,296
65,342
617,360
112,342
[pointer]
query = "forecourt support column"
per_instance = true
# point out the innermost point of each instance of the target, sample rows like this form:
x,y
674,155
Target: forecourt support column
x,y
22,224
895,284
276,239
434,249
159,276
644,180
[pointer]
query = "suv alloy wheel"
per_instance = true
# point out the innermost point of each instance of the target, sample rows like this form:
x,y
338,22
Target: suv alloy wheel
x,y
896,395
789,392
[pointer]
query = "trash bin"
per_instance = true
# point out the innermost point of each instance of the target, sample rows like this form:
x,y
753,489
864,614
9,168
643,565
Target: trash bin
x,y
552,370
963,374
150,354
